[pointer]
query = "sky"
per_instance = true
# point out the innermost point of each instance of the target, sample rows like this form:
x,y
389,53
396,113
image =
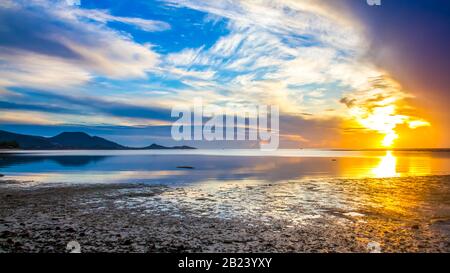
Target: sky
x,y
344,74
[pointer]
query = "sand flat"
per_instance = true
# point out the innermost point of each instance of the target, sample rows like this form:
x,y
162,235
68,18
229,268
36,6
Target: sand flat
x,y
320,215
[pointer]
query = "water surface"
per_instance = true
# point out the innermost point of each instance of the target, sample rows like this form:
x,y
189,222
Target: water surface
x,y
162,167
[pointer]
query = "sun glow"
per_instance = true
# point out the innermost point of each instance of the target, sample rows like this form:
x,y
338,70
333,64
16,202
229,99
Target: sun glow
x,y
384,120
381,119
381,106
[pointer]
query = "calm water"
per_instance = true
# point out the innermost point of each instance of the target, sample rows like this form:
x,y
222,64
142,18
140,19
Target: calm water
x,y
216,165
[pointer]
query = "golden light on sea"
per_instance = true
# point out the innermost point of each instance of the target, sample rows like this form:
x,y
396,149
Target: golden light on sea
x,y
387,167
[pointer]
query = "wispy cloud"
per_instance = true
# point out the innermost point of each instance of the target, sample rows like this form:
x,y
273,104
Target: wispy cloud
x,y
57,47
282,52
104,16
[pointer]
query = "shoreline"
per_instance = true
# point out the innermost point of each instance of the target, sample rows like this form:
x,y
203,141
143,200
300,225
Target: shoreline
x,y
158,218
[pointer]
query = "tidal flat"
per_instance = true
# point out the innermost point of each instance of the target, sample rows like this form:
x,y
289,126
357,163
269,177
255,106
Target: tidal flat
x,y
403,214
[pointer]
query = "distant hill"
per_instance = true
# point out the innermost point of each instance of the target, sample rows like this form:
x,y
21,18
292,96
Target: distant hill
x,y
26,141
159,147
67,141
9,145
78,140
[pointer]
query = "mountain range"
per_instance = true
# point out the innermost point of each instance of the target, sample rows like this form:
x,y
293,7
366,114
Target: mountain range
x,y
68,141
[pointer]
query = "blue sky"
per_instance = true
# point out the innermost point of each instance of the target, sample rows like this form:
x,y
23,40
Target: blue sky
x,y
116,68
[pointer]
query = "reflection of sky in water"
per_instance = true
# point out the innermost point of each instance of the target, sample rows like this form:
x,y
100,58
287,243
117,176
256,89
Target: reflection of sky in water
x,y
161,166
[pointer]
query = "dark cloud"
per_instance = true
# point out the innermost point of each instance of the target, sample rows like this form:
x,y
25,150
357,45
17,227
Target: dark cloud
x,y
29,30
348,102
64,104
35,107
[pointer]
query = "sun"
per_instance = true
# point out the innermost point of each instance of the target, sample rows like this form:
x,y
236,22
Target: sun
x,y
383,120
388,140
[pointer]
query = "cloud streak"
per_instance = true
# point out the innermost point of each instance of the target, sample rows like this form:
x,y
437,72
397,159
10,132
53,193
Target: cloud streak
x,y
57,47
104,17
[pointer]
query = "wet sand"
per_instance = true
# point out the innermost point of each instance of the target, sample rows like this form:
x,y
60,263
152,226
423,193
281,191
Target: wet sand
x,y
315,215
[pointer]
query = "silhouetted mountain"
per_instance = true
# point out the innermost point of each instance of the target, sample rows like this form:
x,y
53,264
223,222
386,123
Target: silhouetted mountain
x,y
26,141
9,145
79,140
69,140
159,147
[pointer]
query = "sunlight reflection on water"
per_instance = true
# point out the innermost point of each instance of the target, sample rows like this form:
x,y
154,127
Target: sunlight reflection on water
x,y
387,166
162,166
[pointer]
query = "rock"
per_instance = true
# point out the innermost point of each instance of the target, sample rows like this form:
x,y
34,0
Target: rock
x,y
70,229
415,227
185,167
2,175
5,234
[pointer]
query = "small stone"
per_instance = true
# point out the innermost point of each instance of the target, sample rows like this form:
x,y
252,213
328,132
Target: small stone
x,y
5,234
70,229
415,227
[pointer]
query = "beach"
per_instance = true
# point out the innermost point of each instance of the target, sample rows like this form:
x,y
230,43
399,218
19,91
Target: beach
x,y
226,126
402,214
